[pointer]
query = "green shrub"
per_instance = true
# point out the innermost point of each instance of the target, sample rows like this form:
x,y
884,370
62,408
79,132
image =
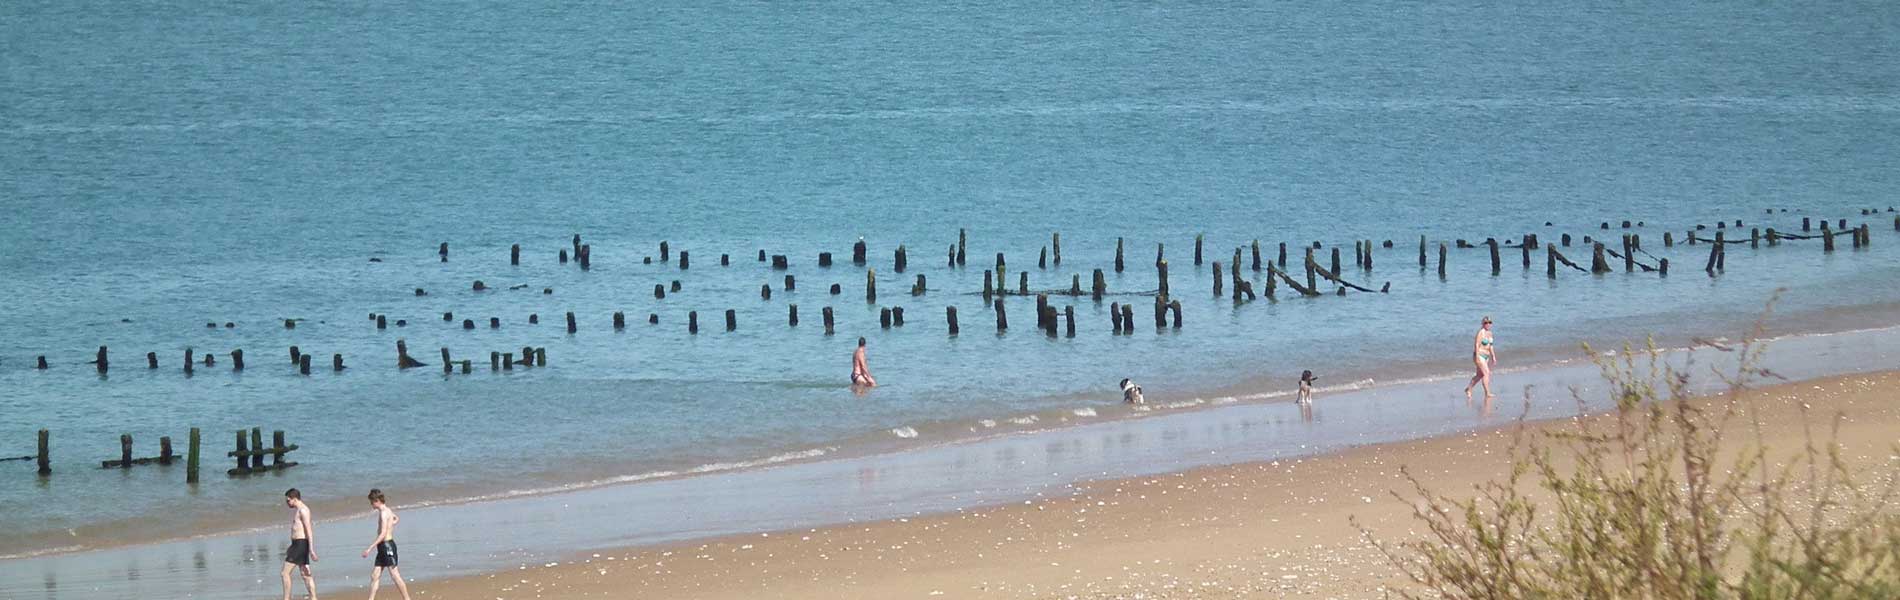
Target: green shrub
x,y
1668,497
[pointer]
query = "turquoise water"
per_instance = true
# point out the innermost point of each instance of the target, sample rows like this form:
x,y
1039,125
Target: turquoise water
x,y
166,165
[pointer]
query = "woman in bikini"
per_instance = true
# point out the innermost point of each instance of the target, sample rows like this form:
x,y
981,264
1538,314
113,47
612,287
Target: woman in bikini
x,y
1485,355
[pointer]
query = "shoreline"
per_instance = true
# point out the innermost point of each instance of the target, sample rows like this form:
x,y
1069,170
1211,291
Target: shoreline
x,y
466,540
1072,411
1185,534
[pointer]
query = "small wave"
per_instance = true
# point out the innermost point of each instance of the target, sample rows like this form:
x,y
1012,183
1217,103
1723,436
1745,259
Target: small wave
x,y
42,552
1083,412
770,460
904,432
987,423
1028,420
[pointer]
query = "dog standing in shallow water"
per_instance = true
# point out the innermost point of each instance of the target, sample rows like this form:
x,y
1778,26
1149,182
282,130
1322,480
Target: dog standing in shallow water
x,y
1131,393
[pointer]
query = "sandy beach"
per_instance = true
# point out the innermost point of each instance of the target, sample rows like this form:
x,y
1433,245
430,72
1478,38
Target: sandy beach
x,y
1248,530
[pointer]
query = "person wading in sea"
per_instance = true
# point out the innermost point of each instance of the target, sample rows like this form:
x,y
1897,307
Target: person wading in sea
x,y
1485,356
861,370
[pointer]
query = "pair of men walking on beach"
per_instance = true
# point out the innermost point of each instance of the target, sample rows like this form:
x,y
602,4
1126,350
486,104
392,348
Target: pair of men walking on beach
x,y
302,551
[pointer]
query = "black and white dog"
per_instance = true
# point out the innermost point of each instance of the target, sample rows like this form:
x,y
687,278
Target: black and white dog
x,y
1131,393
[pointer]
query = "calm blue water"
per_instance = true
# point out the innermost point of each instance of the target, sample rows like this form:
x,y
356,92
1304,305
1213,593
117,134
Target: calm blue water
x,y
165,165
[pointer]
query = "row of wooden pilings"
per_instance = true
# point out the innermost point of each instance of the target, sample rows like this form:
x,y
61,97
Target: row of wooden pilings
x,y
1627,252
248,453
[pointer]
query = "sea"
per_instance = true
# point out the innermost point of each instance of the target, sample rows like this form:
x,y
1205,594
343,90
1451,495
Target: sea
x,y
182,176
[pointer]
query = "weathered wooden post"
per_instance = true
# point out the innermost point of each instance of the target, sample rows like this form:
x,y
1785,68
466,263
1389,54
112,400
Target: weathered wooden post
x,y
1629,257
277,449
243,455
1075,284
791,284
99,360
917,289
448,366
1550,261
564,256
824,259
295,356
1002,277
1099,286
765,291
587,256
1441,266
1369,256
1492,243
692,322
665,252
257,448
151,360
514,254
1754,237
1043,316
732,319
901,259
950,314
1042,259
1598,264
1311,281
836,289
1335,269
828,321
1218,279
1421,253
303,365
1234,272
1160,252
725,260
570,322
336,362
1118,255
43,458
191,457
1128,319
987,291
1721,253
791,318
1197,249
1055,243
870,286
962,234
1174,306
1115,316
1002,318
1714,250
125,451
188,365
494,322
443,251
494,361
857,252
1827,238
1022,283
1282,257
1161,273
685,260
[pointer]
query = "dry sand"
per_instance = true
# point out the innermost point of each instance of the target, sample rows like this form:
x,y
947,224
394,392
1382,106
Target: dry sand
x,y
1271,529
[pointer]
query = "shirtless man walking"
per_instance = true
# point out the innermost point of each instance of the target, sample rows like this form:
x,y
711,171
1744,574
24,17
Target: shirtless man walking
x,y
302,539
384,546
861,370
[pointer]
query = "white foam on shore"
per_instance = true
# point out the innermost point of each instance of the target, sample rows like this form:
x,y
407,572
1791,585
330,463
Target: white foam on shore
x,y
904,432
1083,412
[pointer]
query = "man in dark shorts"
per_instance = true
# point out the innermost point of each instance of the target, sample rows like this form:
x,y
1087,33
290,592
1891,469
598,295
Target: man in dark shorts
x,y
384,546
302,551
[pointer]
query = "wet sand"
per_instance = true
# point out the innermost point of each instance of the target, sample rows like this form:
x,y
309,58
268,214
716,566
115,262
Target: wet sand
x,y
1266,528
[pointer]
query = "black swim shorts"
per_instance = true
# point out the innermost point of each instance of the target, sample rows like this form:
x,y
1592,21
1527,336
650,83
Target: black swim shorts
x,y
386,554
298,553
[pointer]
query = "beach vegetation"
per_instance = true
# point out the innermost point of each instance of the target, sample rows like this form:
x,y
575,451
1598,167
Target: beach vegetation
x,y
1670,496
